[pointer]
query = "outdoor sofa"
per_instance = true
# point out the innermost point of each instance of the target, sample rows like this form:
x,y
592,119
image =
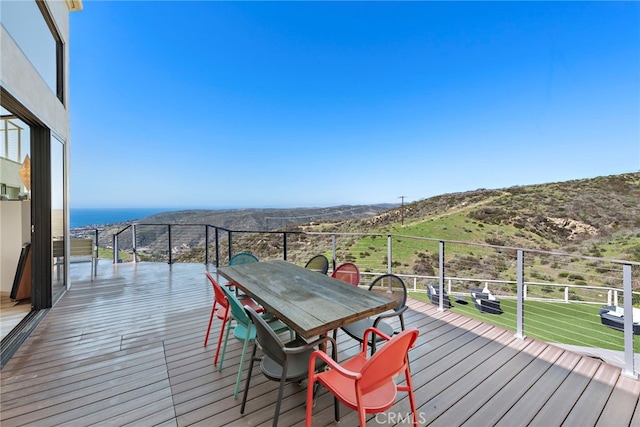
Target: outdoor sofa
x,y
613,317
485,302
434,297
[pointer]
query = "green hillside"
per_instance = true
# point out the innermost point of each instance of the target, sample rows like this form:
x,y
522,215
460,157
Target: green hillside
x,y
598,217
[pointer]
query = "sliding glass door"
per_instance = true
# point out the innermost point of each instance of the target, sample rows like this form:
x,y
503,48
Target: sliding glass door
x,y
58,215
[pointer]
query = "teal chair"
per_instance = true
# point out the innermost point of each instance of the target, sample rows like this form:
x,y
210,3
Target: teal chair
x,y
243,258
244,330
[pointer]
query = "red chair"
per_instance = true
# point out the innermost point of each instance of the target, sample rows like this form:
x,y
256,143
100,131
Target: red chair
x,y
366,384
219,298
347,272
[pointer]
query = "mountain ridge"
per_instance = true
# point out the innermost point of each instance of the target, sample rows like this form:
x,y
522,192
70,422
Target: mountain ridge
x,y
594,216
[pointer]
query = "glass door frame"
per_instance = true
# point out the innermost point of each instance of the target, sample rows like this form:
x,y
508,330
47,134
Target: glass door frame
x,y
41,231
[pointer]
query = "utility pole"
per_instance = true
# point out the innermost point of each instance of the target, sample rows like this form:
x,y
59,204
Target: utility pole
x,y
402,210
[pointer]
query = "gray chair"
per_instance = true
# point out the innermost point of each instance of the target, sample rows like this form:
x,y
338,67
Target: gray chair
x,y
281,362
392,287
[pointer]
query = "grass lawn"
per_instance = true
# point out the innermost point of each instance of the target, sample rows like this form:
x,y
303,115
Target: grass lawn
x,y
552,322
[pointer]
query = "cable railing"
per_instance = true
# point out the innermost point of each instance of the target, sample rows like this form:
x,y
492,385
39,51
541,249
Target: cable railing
x,y
552,296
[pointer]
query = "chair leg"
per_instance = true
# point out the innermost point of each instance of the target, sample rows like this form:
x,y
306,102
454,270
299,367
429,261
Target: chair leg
x,y
362,417
412,401
224,347
244,350
373,344
215,359
246,384
310,393
213,310
283,380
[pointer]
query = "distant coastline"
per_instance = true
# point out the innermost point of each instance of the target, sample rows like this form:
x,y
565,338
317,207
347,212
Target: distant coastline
x,y
83,217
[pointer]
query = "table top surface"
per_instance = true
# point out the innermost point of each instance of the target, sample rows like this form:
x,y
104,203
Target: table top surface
x,y
311,303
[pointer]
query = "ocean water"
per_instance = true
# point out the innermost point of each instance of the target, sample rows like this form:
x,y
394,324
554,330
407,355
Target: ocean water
x,y
80,217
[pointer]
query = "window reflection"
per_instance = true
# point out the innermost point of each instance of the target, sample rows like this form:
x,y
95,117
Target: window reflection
x,y
15,164
15,203
26,24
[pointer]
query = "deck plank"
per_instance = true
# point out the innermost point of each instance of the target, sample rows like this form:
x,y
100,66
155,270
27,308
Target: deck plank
x,y
613,387
482,390
539,394
127,349
571,389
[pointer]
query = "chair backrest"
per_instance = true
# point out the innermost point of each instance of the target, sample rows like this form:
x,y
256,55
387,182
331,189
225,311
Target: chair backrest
x,y
243,258
218,293
392,287
237,310
347,272
390,360
318,263
270,342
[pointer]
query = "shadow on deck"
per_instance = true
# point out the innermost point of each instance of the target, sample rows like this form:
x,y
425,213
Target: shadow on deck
x,y
127,348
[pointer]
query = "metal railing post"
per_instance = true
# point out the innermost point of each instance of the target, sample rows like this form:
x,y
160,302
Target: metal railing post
x,y
133,243
217,248
170,246
333,251
441,275
230,244
115,248
628,370
520,296
284,237
389,254
206,245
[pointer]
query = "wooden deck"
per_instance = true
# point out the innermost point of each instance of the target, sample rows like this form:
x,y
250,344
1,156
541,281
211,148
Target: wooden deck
x,y
127,348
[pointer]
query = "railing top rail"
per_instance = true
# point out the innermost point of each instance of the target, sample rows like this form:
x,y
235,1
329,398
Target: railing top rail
x,y
485,245
431,239
123,230
515,248
187,224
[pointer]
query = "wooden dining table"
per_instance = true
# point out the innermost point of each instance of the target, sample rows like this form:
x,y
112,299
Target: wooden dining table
x,y
309,302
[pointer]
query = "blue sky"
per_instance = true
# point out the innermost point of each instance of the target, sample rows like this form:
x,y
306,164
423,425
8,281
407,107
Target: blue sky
x,y
300,104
